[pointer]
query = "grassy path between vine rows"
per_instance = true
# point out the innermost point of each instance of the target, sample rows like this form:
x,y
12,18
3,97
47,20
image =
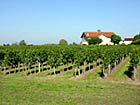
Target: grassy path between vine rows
x,y
118,67
119,74
40,89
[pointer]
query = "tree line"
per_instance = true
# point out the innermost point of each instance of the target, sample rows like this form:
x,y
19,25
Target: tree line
x,y
24,43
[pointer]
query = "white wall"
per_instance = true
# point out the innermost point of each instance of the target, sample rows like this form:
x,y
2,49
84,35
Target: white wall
x,y
84,43
105,40
127,42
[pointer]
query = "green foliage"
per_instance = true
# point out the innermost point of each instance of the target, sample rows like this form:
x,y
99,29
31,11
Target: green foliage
x,y
74,43
33,90
2,54
22,43
136,39
115,39
94,40
6,44
55,56
135,56
63,42
135,63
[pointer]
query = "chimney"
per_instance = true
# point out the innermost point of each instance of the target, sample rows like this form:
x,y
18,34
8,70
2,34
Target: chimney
x,y
98,30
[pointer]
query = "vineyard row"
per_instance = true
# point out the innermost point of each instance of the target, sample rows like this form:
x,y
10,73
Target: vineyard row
x,y
21,58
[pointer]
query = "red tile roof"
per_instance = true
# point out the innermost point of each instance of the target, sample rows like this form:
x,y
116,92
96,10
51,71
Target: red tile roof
x,y
128,39
96,34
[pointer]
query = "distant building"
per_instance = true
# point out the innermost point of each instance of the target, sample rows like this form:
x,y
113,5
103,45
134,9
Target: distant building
x,y
105,36
126,41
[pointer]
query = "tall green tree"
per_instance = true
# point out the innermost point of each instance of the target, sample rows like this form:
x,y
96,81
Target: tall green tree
x,y
22,43
94,40
136,39
63,42
115,39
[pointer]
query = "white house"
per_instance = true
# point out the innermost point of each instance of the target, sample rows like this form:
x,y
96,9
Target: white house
x,y
126,41
105,36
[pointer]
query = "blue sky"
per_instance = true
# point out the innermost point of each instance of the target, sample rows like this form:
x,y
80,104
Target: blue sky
x,y
48,21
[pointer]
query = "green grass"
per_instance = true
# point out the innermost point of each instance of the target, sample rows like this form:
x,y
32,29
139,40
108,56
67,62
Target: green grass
x,y
95,74
17,89
121,73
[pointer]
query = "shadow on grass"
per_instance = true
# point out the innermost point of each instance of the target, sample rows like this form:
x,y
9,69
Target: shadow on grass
x,y
129,72
101,74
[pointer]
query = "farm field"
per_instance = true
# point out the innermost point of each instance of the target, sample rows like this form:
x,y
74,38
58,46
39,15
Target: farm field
x,y
69,75
41,89
69,52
